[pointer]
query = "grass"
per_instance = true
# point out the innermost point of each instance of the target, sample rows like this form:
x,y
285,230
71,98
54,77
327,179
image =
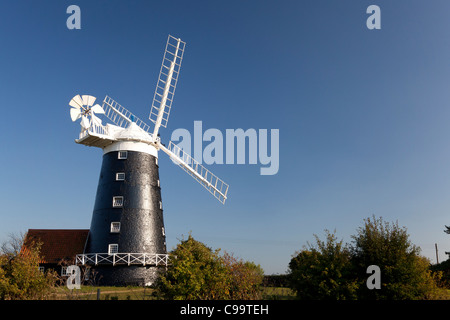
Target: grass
x,y
141,293
277,293
106,293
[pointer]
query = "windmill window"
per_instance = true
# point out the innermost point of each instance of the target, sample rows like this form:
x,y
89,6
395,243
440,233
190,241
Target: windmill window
x,y
113,248
122,155
160,205
163,231
115,227
158,183
156,161
64,272
118,202
120,176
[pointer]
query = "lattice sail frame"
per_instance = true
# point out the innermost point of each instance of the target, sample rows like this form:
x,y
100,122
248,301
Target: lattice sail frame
x,y
206,178
167,82
120,116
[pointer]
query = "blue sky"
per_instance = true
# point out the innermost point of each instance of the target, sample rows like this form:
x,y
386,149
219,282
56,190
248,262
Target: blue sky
x,y
362,115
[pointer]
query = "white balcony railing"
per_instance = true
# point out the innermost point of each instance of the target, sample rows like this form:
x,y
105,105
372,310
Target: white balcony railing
x,y
95,130
144,259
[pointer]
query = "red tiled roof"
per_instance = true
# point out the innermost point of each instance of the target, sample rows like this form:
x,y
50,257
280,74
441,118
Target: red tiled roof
x,y
58,244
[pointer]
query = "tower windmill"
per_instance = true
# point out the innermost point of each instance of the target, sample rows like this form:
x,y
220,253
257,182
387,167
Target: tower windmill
x,y
126,242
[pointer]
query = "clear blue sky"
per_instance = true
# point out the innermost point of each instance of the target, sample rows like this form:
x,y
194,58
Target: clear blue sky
x,y
363,115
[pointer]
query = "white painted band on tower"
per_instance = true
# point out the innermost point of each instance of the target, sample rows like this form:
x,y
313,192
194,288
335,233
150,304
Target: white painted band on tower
x,y
131,146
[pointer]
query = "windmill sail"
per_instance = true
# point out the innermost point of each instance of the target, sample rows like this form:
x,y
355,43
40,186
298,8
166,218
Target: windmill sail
x,y
167,81
206,178
120,115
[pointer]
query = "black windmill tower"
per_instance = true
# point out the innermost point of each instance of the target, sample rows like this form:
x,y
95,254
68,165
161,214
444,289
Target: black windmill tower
x,y
126,242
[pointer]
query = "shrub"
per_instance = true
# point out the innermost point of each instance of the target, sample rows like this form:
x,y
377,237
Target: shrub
x,y
199,273
323,271
245,278
404,273
332,270
20,277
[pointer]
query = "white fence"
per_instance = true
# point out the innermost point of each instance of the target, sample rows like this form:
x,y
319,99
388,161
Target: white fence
x,y
145,259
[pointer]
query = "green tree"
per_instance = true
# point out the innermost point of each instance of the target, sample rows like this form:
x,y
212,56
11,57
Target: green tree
x,y
196,272
404,273
323,271
20,277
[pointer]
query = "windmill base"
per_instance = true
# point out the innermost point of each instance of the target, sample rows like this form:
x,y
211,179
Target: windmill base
x,y
124,275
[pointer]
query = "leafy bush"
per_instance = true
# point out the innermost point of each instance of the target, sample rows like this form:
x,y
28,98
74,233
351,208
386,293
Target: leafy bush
x,y
244,278
199,273
20,277
404,273
323,271
332,270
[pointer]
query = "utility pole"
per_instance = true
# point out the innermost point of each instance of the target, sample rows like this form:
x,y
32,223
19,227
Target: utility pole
x,y
437,257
